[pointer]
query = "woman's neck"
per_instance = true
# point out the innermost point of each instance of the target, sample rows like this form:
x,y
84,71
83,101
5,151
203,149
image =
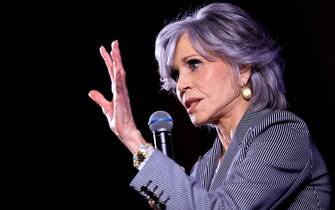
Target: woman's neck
x,y
226,126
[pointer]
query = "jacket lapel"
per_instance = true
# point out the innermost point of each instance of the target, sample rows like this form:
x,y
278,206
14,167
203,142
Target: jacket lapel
x,y
245,125
206,166
225,165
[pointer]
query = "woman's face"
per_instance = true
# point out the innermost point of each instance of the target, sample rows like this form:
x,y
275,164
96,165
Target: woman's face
x,y
207,89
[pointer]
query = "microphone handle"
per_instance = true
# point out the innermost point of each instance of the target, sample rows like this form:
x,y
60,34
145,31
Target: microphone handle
x,y
163,142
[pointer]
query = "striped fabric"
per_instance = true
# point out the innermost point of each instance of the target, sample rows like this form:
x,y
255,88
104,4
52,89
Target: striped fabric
x,y
271,163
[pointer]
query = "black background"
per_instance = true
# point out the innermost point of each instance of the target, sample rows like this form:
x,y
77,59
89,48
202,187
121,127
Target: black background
x,y
62,151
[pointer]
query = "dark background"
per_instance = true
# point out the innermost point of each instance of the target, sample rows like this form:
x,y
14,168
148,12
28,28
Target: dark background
x,y
63,150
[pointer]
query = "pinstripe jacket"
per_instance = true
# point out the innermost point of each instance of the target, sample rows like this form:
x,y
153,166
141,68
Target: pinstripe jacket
x,y
271,163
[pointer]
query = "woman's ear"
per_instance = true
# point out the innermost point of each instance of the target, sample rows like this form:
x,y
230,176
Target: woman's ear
x,y
245,74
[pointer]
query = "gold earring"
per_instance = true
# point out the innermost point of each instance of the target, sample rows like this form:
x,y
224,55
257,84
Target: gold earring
x,y
246,92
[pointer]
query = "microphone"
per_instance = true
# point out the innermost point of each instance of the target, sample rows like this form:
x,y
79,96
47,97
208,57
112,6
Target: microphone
x,y
160,123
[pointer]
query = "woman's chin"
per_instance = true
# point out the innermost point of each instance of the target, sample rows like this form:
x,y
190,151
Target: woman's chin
x,y
196,121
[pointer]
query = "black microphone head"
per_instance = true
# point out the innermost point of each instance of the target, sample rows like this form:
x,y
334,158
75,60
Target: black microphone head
x,y
160,121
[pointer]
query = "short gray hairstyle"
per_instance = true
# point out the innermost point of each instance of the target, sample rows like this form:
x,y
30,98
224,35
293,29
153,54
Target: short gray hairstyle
x,y
225,30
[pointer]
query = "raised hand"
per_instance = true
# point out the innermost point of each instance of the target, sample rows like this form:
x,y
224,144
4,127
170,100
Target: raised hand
x,y
118,111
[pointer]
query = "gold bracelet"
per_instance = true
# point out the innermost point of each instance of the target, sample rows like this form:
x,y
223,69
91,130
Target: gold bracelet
x,y
140,156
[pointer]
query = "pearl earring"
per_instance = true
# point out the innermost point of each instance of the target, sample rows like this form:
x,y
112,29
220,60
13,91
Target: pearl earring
x,y
246,92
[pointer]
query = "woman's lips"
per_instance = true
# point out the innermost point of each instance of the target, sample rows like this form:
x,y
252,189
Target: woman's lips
x,y
191,104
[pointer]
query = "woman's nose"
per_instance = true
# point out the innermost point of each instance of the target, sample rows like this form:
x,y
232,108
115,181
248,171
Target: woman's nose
x,y
184,82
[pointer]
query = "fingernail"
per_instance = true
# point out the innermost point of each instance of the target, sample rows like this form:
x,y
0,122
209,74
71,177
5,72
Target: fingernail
x,y
100,49
115,43
90,94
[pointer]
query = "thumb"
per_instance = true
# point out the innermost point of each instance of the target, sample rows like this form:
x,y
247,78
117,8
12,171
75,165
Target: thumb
x,y
98,98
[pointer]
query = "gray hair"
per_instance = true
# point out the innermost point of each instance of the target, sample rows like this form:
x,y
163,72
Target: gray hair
x,y
226,31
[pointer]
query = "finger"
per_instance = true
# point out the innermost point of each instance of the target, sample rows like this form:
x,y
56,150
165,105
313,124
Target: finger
x,y
116,57
97,97
116,86
119,72
108,61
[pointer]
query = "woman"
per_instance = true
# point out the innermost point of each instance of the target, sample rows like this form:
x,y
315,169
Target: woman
x,y
227,73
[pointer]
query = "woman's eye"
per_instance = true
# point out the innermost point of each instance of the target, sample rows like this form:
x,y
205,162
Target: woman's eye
x,y
193,64
174,74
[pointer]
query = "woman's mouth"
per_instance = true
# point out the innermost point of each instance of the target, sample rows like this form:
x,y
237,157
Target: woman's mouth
x,y
191,104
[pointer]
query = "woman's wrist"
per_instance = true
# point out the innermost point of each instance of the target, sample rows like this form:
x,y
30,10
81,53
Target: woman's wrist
x,y
134,141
